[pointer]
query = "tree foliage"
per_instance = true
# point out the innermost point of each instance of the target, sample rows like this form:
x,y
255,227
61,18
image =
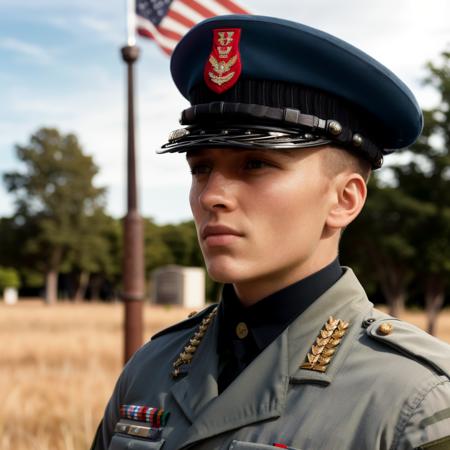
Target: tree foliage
x,y
427,178
55,199
405,230
379,244
8,278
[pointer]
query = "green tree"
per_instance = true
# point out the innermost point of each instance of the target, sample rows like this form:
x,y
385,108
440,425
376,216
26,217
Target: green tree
x,y
182,240
9,243
54,195
95,256
8,278
427,179
405,230
380,242
157,252
175,244
13,234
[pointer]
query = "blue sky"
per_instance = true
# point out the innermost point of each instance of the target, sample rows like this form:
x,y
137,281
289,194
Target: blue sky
x,y
60,67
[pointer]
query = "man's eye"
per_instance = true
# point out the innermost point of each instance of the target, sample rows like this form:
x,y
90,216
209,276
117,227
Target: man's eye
x,y
200,169
256,164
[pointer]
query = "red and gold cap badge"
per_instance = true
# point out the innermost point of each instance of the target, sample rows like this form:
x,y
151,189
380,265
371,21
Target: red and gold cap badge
x,y
224,65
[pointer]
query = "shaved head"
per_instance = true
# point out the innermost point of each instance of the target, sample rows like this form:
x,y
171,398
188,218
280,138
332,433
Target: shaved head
x,y
337,160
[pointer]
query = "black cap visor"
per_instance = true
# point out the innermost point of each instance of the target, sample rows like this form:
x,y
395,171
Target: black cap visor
x,y
241,136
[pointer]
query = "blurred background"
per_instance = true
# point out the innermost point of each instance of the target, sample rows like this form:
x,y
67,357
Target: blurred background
x,y
63,197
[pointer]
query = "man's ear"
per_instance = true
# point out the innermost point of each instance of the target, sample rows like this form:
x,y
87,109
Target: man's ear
x,y
349,198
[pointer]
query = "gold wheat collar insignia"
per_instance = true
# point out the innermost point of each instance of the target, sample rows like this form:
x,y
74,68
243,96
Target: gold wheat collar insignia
x,y
324,347
181,365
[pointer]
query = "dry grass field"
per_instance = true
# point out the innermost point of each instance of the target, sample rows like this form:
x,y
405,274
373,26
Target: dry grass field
x,y
58,366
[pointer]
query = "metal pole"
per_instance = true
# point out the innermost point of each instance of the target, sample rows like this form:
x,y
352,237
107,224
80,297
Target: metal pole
x,y
133,250
131,23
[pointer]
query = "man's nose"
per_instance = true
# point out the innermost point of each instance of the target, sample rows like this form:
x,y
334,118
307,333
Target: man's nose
x,y
218,192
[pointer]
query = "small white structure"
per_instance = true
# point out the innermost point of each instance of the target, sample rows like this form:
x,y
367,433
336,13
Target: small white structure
x,y
10,295
177,285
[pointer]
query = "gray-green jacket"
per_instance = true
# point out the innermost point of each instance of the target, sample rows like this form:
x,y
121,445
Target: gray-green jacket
x,y
383,388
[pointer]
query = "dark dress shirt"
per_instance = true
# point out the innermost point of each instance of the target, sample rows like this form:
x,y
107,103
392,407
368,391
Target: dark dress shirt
x,y
264,321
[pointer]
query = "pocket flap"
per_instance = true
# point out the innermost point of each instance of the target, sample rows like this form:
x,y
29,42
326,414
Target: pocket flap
x,y
240,445
121,442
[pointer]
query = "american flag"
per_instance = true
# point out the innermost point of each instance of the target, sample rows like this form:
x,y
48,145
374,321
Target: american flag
x,y
167,21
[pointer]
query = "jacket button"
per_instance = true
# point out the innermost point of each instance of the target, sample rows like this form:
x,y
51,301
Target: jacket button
x,y
385,328
241,330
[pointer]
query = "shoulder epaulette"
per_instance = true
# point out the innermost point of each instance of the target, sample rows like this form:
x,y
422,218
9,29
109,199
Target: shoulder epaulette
x,y
411,341
190,322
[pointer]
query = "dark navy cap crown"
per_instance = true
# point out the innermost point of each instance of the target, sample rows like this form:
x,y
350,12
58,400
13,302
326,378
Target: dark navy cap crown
x,y
294,79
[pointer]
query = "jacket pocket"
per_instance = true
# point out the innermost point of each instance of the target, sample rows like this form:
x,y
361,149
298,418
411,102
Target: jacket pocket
x,y
124,442
240,445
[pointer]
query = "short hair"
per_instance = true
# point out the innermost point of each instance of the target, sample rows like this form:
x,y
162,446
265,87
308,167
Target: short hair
x,y
337,160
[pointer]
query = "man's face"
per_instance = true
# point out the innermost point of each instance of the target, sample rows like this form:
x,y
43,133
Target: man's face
x,y
259,213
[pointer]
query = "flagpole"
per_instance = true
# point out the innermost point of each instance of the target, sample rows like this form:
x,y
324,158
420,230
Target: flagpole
x,y
131,23
133,241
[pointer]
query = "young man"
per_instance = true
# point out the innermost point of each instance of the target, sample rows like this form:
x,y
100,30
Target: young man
x,y
285,125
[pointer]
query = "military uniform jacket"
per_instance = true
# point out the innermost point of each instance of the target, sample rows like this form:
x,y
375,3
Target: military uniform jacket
x,y
386,386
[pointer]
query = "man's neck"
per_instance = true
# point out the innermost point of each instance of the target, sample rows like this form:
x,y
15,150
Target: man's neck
x,y
252,291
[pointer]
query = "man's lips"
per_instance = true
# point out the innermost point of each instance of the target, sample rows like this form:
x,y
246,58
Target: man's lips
x,y
218,230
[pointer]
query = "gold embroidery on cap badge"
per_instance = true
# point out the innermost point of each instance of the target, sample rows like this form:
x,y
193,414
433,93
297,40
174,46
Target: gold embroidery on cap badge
x,y
224,66
220,68
225,39
324,347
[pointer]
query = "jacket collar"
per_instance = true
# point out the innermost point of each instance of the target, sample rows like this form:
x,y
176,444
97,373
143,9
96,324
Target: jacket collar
x,y
268,317
346,300
260,391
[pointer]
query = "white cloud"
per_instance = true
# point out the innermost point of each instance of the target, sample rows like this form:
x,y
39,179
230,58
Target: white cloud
x,y
106,30
36,53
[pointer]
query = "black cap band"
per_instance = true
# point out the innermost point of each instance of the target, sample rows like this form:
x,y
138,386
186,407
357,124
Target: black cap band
x,y
252,125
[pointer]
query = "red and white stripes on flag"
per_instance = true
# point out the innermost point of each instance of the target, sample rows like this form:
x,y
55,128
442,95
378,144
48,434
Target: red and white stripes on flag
x,y
168,21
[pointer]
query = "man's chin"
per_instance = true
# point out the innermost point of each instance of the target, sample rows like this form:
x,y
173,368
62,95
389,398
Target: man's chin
x,y
224,272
